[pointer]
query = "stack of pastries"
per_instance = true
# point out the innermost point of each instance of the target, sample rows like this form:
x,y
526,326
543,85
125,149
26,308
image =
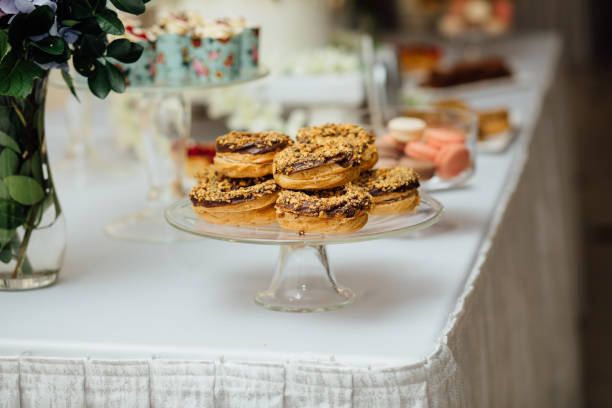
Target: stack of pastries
x,y
322,182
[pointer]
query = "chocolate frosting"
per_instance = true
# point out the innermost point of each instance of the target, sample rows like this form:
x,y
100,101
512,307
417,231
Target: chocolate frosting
x,y
250,148
252,142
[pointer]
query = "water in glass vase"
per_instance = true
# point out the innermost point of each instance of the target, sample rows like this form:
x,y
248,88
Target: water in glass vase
x,y
32,230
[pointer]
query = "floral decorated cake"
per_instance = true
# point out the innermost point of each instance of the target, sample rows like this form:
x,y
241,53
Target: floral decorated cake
x,y
183,49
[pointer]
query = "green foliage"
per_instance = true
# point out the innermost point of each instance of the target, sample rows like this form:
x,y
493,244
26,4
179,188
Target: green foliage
x,y
27,50
23,189
124,50
7,141
17,75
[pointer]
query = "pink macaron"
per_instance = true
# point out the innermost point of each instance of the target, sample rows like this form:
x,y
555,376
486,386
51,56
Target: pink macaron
x,y
421,151
438,137
388,139
451,160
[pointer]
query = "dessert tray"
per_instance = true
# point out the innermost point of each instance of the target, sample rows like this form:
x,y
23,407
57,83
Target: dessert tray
x,y
304,281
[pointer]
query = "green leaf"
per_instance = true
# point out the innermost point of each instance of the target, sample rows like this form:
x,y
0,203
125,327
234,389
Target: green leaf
x,y
6,255
25,190
68,80
40,20
124,50
5,236
99,83
81,9
84,65
69,23
37,171
5,47
4,190
130,6
51,45
7,141
109,22
12,215
26,168
92,45
9,163
6,125
116,78
17,76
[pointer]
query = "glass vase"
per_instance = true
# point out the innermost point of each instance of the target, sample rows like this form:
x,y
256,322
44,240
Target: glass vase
x,y
32,229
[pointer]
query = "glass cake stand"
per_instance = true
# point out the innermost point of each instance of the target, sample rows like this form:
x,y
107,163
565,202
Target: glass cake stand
x,y
304,281
164,115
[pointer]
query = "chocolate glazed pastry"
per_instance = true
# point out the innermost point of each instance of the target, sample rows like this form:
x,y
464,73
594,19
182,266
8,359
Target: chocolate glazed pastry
x,y
316,166
362,140
222,200
394,190
339,210
245,154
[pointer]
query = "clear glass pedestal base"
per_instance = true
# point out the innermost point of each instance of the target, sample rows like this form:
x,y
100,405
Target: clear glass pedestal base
x,y
304,282
149,225
27,282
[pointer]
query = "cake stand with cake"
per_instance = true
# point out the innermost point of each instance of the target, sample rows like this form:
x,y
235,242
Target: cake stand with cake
x,y
183,55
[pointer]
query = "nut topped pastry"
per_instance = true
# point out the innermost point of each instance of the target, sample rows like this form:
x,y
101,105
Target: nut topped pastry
x,y
223,200
248,154
362,140
394,189
342,209
316,166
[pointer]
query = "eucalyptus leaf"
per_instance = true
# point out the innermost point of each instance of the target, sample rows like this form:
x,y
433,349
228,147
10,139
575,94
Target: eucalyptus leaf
x,y
109,22
26,168
12,215
9,163
6,125
7,141
5,236
37,171
25,190
4,194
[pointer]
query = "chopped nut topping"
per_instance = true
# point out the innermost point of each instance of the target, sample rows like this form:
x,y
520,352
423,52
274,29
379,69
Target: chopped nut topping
x,y
344,201
214,189
360,138
388,180
303,156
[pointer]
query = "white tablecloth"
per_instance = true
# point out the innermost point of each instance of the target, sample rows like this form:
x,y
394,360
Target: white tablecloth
x,y
480,311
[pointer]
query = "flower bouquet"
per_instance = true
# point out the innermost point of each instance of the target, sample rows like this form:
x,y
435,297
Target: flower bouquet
x,y
35,37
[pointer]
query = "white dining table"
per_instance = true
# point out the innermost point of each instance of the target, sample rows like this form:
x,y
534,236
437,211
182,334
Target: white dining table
x,y
478,309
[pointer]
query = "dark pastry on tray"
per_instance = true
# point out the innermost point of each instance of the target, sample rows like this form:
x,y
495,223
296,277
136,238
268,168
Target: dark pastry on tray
x,y
339,210
394,190
362,140
232,201
464,72
316,166
246,154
